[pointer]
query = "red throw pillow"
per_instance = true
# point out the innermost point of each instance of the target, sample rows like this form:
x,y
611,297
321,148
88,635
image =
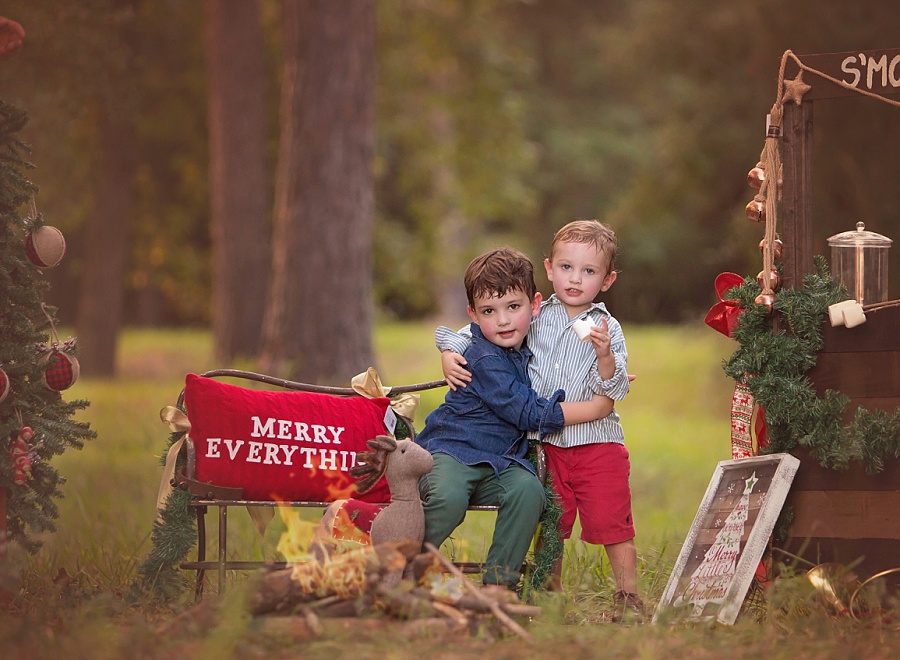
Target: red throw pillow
x,y
287,446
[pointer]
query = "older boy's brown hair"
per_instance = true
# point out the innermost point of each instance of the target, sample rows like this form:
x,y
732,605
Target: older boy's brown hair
x,y
600,235
498,271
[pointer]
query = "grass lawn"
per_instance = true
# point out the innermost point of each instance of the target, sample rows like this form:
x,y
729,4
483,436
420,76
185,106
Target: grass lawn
x,y
70,599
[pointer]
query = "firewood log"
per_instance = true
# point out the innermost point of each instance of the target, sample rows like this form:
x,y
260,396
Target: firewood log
x,y
347,575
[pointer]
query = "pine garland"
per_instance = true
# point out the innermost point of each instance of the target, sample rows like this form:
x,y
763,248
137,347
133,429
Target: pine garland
x,y
174,534
551,546
773,362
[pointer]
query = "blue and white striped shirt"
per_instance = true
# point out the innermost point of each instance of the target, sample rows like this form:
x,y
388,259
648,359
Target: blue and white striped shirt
x,y
562,361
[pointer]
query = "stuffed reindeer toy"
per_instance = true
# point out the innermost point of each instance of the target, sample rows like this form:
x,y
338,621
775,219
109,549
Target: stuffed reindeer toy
x,y
402,462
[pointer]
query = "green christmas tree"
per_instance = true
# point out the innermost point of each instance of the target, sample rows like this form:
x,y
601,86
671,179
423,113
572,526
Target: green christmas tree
x,y
35,421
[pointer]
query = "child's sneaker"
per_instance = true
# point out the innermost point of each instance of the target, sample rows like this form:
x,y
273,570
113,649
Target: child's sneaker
x,y
627,607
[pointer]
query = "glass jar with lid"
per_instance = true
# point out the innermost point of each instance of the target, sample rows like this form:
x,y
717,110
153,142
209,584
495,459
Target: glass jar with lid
x,y
859,261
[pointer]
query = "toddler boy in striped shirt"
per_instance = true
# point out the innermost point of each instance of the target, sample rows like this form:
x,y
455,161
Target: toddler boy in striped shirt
x,y
588,463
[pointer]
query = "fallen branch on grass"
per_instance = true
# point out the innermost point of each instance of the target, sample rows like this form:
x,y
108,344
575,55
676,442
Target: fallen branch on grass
x,y
492,605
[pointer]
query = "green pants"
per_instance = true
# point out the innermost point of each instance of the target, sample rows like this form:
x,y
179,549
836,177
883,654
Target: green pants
x,y
451,487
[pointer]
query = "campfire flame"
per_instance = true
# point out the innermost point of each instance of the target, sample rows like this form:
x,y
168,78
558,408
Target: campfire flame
x,y
337,567
342,575
341,488
298,534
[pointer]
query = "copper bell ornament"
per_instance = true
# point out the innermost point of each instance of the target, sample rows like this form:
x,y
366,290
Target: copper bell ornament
x,y
777,248
756,211
774,280
756,176
766,300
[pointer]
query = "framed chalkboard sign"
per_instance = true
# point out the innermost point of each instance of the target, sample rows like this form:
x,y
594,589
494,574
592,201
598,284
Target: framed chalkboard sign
x,y
727,539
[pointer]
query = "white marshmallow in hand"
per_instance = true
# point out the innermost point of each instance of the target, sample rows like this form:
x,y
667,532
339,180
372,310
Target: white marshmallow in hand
x,y
582,328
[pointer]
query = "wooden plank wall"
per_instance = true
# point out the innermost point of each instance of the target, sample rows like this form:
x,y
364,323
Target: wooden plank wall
x,y
852,516
862,362
849,517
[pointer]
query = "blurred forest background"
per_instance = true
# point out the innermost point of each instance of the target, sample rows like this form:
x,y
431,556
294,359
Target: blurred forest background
x,y
177,146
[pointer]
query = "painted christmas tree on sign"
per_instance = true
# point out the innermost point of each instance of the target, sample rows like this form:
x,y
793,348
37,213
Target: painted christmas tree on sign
x,y
730,533
710,581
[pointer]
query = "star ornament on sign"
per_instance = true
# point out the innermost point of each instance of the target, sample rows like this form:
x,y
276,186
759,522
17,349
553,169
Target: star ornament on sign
x,y
751,482
795,89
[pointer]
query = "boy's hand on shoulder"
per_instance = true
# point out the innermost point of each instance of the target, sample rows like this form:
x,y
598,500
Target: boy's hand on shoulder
x,y
454,371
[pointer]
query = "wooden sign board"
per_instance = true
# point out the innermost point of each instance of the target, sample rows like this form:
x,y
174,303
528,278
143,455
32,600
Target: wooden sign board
x,y
876,71
727,539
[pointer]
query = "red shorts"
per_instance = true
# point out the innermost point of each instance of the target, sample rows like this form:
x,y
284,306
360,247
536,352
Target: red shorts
x,y
592,481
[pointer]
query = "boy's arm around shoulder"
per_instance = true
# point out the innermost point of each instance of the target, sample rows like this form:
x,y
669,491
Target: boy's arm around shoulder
x,y
511,399
452,345
453,340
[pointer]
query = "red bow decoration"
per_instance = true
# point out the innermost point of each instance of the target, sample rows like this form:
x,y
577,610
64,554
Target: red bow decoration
x,y
723,316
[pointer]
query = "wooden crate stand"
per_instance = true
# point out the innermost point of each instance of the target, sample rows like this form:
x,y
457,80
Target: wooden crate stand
x,y
850,517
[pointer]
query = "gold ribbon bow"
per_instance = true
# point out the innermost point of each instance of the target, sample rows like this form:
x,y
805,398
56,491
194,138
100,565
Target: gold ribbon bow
x,y
369,385
177,422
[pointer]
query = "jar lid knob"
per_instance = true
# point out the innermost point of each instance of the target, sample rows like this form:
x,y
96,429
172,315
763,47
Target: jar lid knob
x,y
860,226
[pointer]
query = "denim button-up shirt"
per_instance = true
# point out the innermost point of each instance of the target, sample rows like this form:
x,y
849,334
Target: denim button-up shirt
x,y
486,421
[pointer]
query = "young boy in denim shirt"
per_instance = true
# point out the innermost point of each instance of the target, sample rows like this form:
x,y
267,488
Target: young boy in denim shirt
x,y
477,436
588,463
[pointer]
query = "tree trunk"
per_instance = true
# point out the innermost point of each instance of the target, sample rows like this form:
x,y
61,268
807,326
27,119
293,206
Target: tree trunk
x,y
453,232
319,312
106,246
239,191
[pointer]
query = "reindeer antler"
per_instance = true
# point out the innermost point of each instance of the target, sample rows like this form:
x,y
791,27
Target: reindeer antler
x,y
374,462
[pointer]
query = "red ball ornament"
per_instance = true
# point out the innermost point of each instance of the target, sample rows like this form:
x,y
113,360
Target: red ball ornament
x,y
756,211
4,385
60,370
45,246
